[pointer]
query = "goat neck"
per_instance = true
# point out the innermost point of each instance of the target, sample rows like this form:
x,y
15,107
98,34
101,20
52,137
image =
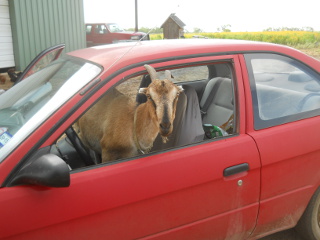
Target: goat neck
x,y
145,128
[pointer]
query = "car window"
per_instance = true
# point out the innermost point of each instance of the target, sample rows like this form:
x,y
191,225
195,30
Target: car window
x,y
283,89
88,29
100,29
121,114
187,74
114,28
27,104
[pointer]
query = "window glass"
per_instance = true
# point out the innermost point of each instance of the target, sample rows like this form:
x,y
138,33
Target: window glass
x,y
88,29
100,29
114,28
25,106
283,89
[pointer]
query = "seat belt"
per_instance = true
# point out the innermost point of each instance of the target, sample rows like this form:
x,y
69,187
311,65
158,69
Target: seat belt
x,y
212,94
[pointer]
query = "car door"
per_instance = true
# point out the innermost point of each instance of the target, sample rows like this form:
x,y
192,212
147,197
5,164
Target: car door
x,y
206,190
286,107
42,60
101,34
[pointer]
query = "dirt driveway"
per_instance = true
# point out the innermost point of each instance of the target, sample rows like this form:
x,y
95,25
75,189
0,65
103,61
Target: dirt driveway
x,y
284,235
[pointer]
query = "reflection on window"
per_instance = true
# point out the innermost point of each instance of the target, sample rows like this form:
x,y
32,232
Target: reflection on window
x,y
88,29
24,107
114,28
283,87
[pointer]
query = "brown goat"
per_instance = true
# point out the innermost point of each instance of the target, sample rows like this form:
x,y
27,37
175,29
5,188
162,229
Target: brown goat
x,y
117,128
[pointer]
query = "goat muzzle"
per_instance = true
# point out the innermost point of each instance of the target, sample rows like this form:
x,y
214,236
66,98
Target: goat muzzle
x,y
165,129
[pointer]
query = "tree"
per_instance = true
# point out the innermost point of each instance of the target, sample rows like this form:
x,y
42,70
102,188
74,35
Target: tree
x,y
225,28
146,30
197,30
270,29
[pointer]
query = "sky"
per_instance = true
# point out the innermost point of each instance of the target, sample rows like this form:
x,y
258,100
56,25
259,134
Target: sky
x,y
208,15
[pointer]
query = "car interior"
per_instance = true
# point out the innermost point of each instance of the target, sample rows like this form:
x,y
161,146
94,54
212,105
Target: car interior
x,y
205,111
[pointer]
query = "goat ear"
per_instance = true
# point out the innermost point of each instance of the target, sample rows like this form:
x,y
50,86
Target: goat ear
x,y
180,88
143,90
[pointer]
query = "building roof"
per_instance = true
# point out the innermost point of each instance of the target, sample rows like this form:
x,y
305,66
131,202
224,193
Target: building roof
x,y
175,19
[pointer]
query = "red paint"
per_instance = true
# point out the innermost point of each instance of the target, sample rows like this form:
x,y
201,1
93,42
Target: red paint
x,y
180,193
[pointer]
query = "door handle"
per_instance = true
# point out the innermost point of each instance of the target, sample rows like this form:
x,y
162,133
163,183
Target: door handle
x,y
243,167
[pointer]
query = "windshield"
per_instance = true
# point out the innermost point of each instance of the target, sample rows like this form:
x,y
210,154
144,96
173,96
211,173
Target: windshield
x,y
113,27
24,107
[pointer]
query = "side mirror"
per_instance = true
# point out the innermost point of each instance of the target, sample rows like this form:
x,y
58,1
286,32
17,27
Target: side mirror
x,y
48,170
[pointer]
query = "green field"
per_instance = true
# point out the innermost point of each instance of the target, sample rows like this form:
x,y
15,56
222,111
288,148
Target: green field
x,y
308,42
292,38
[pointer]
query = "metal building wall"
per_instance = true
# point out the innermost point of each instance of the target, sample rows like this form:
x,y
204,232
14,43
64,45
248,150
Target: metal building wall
x,y
6,47
39,24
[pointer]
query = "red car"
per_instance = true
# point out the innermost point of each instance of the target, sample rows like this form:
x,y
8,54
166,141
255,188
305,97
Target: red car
x,y
106,33
245,162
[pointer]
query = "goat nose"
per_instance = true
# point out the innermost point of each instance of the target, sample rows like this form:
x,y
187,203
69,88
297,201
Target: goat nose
x,y
165,125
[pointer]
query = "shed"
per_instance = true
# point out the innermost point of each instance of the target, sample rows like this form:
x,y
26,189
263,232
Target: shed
x,y
173,27
36,25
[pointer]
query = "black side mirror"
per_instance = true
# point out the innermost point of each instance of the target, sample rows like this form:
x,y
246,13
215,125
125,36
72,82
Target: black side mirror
x,y
48,170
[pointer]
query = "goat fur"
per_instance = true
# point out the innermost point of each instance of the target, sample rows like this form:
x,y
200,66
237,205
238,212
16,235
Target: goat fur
x,y
108,127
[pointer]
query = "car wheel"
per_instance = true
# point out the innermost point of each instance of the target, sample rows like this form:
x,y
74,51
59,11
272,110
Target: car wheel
x,y
309,224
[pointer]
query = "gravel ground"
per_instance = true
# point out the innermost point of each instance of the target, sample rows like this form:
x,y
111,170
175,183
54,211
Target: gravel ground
x,y
284,235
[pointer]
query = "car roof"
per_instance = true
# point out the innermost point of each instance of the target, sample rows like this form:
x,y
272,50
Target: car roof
x,y
132,52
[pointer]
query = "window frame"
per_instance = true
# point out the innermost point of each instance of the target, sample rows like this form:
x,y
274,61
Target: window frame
x,y
161,66
260,123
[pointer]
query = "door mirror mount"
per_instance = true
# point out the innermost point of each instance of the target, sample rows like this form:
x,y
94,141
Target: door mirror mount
x,y
48,170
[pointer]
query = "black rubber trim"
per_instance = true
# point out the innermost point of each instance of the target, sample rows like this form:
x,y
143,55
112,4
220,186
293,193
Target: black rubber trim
x,y
243,167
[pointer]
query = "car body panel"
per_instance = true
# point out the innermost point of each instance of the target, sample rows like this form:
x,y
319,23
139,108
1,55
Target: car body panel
x,y
290,163
289,178
155,192
94,38
179,193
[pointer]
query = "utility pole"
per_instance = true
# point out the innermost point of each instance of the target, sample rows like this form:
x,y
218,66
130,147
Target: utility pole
x,y
136,13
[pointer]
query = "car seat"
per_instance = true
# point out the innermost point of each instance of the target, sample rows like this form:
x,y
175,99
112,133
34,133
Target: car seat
x,y
217,101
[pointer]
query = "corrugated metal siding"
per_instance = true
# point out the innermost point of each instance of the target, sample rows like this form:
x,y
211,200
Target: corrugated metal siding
x,y
39,24
6,47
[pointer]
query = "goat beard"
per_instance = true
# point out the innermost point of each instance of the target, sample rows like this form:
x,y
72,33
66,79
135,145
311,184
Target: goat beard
x,y
164,139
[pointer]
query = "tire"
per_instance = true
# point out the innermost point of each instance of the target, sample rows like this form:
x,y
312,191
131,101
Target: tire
x,y
308,226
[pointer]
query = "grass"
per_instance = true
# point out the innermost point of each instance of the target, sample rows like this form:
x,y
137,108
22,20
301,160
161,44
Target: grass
x,y
307,42
291,38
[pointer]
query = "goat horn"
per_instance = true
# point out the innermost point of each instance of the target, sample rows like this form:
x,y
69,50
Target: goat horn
x,y
152,72
168,75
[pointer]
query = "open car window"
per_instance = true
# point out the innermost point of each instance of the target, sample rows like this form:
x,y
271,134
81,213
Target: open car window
x,y
204,111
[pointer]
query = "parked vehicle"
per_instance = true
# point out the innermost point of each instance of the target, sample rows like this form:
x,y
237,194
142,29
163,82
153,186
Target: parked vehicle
x,y
252,170
106,33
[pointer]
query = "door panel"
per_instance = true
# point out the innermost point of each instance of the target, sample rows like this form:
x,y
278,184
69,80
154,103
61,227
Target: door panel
x,y
179,194
192,192
290,169
284,122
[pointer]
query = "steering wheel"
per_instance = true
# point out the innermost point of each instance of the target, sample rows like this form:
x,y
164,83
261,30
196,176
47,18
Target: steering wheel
x,y
305,99
76,142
